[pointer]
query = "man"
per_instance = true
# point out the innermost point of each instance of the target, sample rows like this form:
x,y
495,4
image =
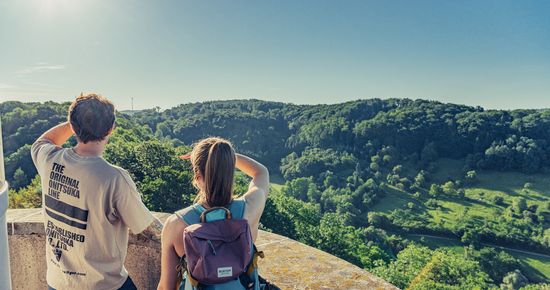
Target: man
x,y
88,204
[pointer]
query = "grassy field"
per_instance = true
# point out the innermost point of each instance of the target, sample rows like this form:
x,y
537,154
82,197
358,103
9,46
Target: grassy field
x,y
478,204
538,267
277,182
508,185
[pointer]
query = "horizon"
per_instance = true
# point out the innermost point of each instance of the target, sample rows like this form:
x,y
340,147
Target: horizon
x,y
493,54
123,109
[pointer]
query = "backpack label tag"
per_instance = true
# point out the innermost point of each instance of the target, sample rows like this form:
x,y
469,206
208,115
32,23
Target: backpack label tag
x,y
225,272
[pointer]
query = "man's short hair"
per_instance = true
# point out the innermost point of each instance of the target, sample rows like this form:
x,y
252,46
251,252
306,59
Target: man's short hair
x,y
92,117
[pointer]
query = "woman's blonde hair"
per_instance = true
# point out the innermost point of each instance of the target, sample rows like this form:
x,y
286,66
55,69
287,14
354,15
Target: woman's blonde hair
x,y
214,160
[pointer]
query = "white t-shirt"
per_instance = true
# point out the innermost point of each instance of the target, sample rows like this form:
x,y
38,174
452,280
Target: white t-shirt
x,y
88,205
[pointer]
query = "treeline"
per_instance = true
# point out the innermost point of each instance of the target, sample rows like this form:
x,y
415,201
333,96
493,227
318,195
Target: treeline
x,y
22,123
299,139
353,152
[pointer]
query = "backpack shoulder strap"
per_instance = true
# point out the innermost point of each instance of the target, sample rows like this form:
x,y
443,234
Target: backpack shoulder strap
x,y
190,215
237,207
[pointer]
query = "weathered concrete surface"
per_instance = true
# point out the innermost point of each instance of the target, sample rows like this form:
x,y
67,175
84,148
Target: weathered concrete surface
x,y
288,264
293,265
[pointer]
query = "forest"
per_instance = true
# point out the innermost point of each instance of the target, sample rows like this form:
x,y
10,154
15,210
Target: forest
x,y
424,194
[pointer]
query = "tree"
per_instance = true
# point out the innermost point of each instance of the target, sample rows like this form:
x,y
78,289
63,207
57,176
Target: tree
x,y
408,264
348,243
298,188
498,200
314,161
392,179
513,281
429,154
435,190
19,167
27,197
368,192
156,169
276,219
470,237
495,263
377,219
431,203
447,270
420,180
418,267
519,204
470,177
449,188
397,169
19,178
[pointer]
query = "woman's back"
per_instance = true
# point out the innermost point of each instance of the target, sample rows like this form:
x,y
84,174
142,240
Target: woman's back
x,y
214,162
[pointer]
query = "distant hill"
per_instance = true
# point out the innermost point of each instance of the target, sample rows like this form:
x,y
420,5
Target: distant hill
x,y
129,112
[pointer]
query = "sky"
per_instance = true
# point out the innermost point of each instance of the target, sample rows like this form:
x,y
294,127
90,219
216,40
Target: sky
x,y
495,54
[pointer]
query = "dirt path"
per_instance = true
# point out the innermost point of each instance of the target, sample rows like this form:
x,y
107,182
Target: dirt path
x,y
486,244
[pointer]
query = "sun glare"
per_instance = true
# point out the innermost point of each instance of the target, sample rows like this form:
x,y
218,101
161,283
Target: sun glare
x,y
50,7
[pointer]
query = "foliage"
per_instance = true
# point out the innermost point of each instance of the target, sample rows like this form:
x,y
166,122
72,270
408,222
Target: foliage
x,y
316,160
418,267
408,264
163,179
27,197
347,166
495,263
513,280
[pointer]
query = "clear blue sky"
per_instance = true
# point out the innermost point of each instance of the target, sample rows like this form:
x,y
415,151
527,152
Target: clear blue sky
x,y
490,53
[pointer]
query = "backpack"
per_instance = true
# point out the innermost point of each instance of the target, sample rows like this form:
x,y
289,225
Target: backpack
x,y
219,252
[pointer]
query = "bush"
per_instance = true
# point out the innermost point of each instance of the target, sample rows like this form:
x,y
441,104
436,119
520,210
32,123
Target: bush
x,y
513,280
28,197
431,203
435,190
497,199
471,177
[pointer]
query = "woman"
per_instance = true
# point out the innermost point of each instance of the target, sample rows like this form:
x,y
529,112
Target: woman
x,y
214,162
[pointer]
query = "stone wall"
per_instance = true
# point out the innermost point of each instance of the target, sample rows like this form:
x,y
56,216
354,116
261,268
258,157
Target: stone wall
x,y
288,264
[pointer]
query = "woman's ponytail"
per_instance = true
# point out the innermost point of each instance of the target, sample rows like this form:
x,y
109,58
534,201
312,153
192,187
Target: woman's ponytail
x,y
219,172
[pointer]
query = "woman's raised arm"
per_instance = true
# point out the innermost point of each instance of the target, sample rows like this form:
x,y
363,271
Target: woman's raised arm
x,y
257,193
254,169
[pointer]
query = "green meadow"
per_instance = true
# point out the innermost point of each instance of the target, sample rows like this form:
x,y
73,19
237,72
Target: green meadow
x,y
477,204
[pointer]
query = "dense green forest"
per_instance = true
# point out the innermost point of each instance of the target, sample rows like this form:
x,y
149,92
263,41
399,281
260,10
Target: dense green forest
x,y
426,195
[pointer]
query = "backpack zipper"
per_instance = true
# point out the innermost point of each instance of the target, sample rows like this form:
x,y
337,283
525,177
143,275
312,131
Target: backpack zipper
x,y
212,247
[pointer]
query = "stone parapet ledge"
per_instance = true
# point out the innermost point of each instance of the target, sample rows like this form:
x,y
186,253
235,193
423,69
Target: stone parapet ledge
x,y
287,263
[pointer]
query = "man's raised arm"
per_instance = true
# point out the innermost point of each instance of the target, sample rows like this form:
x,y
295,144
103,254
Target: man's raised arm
x,y
59,134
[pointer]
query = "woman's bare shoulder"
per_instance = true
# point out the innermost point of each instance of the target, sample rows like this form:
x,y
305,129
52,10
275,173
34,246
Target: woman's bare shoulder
x,y
174,224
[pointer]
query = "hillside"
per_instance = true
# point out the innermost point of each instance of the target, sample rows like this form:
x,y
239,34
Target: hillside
x,y
370,181
477,204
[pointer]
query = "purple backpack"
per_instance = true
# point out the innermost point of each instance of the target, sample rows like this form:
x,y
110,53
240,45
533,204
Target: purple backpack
x,y
219,253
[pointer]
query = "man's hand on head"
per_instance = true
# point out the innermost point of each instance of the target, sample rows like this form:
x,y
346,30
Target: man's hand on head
x,y
59,134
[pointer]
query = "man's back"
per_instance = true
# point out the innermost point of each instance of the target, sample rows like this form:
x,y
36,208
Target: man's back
x,y
88,205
